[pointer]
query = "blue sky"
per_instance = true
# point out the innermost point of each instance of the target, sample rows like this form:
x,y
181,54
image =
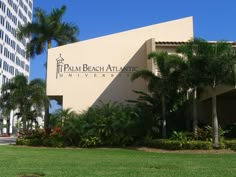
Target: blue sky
x,y
213,19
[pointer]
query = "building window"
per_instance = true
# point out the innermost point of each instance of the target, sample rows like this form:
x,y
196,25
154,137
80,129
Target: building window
x,y
4,79
5,66
1,34
2,20
0,63
30,4
22,64
1,48
17,61
2,6
27,68
16,72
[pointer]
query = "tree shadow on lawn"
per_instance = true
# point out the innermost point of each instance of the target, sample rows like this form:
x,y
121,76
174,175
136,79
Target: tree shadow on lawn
x,y
32,175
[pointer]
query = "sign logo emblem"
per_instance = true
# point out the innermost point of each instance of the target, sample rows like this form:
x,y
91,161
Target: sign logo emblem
x,y
60,64
85,70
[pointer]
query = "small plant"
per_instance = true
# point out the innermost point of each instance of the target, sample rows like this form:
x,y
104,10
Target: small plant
x,y
180,136
90,142
205,134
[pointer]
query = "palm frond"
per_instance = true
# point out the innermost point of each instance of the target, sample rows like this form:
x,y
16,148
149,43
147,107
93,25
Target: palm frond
x,y
145,74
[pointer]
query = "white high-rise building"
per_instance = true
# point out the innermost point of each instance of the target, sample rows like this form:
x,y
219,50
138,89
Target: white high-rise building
x,y
13,59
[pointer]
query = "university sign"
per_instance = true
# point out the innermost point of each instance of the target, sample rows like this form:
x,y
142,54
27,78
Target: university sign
x,y
86,70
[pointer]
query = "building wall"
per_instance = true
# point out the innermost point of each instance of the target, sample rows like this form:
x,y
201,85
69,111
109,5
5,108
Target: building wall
x,y
13,59
82,88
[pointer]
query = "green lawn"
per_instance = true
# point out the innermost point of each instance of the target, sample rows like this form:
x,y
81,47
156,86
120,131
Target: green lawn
x,y
112,163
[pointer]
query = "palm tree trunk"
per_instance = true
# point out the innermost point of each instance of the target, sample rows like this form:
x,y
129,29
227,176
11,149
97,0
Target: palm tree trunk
x,y
46,115
24,123
195,121
215,120
163,101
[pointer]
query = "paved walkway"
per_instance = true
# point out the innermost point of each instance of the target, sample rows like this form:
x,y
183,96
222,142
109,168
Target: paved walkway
x,y
7,140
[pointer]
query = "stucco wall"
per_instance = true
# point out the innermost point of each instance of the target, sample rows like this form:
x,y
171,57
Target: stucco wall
x,y
84,88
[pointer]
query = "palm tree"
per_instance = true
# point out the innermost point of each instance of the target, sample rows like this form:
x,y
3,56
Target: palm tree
x,y
193,75
45,29
26,99
61,115
219,71
165,81
210,65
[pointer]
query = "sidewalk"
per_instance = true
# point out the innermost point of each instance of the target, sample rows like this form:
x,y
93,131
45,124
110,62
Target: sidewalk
x,y
7,140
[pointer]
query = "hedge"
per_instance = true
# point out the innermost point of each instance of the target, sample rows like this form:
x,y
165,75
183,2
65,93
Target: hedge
x,y
230,144
180,145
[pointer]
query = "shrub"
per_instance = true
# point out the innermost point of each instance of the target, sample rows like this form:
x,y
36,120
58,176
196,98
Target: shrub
x,y
167,144
31,134
180,145
108,124
113,124
29,142
22,141
180,136
52,142
205,134
31,137
38,137
202,145
230,144
90,142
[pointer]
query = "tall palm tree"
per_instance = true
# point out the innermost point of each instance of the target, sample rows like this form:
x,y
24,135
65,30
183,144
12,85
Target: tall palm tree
x,y
23,97
165,81
45,29
193,76
210,65
219,71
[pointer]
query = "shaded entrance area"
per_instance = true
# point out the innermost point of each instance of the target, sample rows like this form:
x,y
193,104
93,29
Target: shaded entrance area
x,y
226,109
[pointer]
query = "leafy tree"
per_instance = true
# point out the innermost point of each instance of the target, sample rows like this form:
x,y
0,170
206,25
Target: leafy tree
x,y
165,81
25,98
45,29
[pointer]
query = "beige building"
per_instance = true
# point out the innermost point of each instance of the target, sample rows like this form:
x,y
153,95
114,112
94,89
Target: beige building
x,y
82,74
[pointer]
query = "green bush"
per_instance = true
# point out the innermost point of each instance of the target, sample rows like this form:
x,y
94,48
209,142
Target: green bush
x,y
52,142
90,142
180,145
167,144
29,142
205,134
180,136
22,141
31,134
112,124
194,145
31,137
230,144
38,137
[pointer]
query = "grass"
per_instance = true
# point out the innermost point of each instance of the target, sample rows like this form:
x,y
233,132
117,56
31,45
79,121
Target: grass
x,y
17,161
